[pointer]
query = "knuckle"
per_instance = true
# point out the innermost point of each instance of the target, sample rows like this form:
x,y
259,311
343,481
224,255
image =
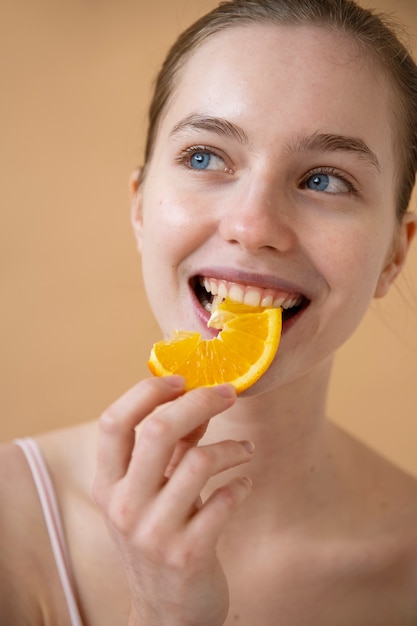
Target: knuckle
x,y
109,421
119,414
227,497
122,516
120,510
150,540
117,510
199,460
230,496
147,537
180,559
156,428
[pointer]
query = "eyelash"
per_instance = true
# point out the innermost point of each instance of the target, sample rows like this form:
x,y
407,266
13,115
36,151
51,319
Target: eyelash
x,y
185,155
331,171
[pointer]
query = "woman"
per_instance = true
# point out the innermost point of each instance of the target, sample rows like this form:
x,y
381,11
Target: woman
x,y
281,156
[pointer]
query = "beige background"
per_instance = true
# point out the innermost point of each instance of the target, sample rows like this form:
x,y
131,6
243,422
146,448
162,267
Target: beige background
x,y
75,328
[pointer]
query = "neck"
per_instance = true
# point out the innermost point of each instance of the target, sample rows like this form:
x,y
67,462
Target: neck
x,y
292,450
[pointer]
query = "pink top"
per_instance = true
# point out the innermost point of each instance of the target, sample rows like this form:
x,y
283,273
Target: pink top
x,y
47,497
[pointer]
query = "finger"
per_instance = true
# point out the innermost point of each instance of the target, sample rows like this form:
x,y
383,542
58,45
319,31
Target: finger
x,y
178,498
209,521
162,430
116,435
182,447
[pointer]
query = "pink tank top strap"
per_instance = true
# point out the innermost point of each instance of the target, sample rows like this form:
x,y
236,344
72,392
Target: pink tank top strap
x,y
47,497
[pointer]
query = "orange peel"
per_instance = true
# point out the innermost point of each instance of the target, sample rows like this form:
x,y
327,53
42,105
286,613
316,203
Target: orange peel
x,y
243,350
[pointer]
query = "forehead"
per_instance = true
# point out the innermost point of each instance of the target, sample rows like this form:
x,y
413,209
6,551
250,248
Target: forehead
x,y
270,77
280,61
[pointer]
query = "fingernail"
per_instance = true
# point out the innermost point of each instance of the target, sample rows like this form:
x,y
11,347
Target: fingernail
x,y
226,390
177,382
248,445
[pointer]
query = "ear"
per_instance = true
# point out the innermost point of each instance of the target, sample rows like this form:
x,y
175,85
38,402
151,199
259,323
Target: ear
x,y
135,190
396,260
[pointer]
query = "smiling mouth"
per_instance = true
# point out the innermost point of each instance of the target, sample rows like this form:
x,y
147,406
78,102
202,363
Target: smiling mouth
x,y
211,290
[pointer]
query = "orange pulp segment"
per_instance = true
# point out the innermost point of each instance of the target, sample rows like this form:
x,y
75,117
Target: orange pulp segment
x,y
240,354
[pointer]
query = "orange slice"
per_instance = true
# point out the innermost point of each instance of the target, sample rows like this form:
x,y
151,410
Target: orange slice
x,y
240,354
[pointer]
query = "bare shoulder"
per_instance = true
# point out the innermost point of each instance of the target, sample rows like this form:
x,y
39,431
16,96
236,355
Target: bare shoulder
x,y
20,531
384,500
30,590
70,455
367,469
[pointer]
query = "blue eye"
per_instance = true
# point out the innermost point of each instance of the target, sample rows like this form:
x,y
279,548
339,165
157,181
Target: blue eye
x,y
327,183
318,182
200,160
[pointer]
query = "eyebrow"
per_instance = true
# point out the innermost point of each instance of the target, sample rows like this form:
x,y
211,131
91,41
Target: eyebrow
x,y
328,142
317,142
212,124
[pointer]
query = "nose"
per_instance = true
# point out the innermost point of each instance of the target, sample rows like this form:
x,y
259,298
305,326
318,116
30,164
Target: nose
x,y
258,216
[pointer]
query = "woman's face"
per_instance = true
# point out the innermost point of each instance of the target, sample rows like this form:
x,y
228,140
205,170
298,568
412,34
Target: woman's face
x,y
272,178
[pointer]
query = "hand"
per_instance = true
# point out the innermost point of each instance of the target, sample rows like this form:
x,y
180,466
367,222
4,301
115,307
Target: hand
x,y
148,486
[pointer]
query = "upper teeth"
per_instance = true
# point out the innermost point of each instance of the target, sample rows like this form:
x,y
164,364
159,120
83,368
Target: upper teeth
x,y
253,296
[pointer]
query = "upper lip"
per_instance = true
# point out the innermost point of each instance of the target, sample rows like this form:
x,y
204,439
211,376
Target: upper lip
x,y
251,279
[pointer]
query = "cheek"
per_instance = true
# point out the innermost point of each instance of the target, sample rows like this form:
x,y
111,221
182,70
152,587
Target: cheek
x,y
354,252
170,234
351,261
173,227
